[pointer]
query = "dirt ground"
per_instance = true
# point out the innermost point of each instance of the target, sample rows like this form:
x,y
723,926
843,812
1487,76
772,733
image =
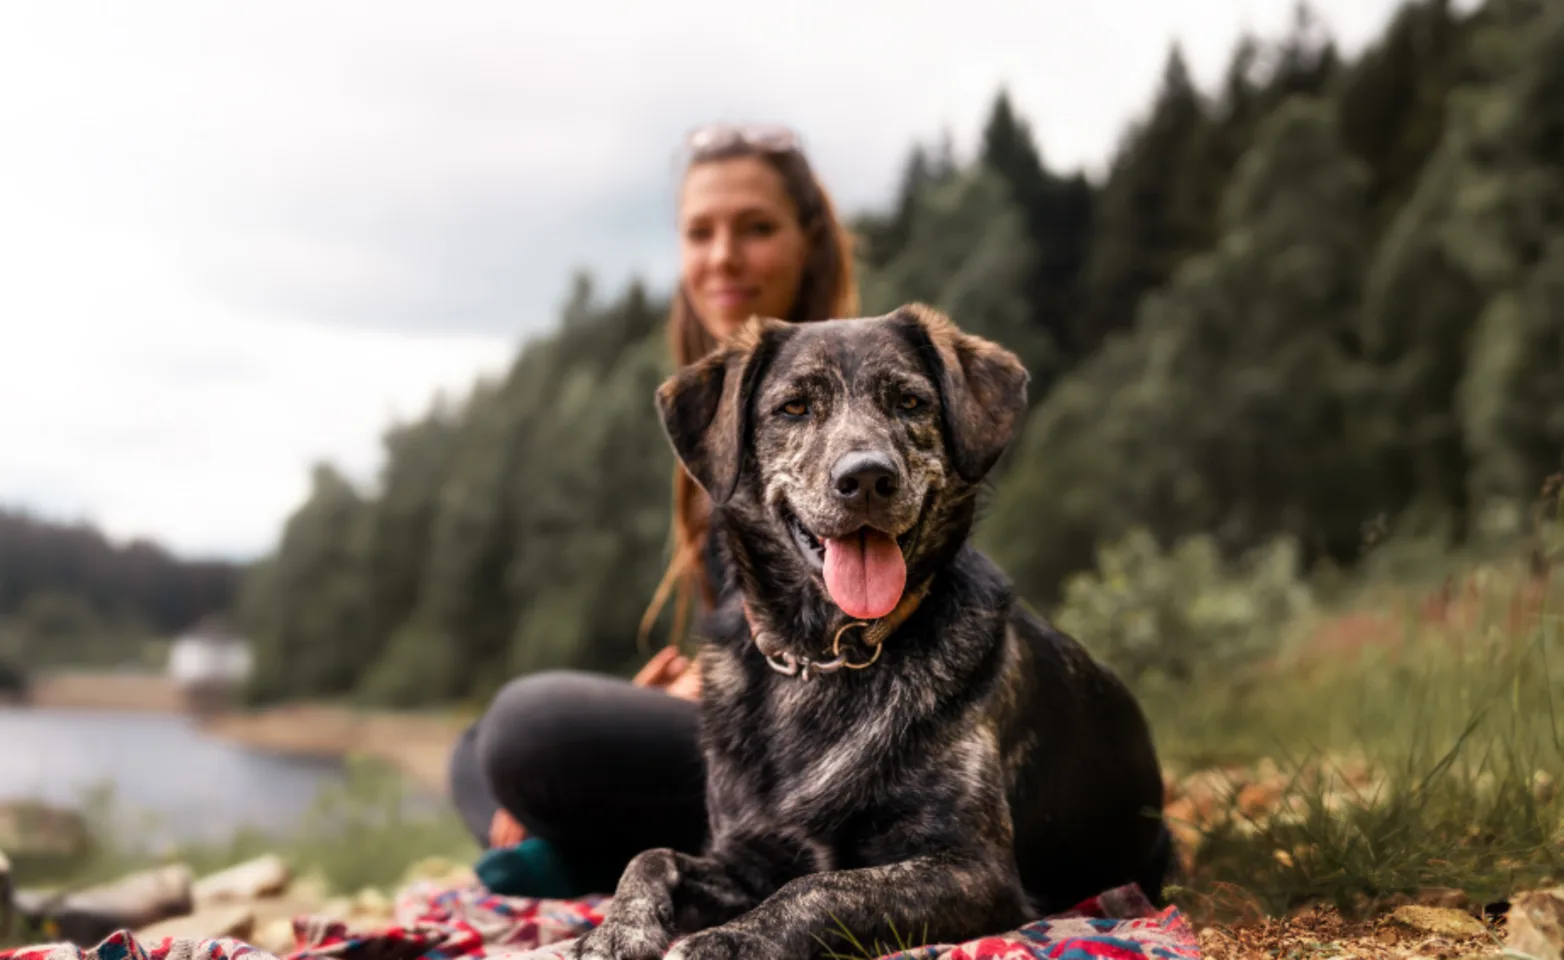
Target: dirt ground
x,y
86,690
417,744
1417,931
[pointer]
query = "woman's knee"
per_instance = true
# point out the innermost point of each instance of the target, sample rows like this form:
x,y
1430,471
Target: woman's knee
x,y
537,729
526,720
551,739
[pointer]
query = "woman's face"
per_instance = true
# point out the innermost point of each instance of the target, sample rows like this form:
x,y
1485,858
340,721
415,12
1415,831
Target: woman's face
x,y
742,249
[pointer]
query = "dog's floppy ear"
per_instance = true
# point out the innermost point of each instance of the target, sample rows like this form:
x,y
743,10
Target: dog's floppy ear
x,y
705,406
982,389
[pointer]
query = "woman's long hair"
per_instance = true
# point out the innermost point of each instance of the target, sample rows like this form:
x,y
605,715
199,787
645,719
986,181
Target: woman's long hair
x,y
826,289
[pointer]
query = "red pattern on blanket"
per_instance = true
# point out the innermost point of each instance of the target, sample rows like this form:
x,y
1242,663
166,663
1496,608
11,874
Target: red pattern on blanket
x,y
435,923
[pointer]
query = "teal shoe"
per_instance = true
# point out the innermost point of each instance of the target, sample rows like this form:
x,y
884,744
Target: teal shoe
x,y
528,869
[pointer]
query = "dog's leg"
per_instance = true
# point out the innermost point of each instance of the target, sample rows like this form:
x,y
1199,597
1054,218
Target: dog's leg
x,y
922,900
663,893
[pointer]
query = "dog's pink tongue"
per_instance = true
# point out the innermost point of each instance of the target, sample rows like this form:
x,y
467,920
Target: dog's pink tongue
x,y
865,574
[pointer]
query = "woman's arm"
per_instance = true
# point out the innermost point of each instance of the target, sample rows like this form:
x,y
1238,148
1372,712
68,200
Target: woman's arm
x,y
672,672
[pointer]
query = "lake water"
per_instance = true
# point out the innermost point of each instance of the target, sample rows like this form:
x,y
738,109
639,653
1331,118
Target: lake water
x,y
192,785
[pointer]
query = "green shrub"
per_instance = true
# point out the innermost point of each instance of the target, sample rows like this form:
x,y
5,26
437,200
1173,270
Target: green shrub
x,y
1155,615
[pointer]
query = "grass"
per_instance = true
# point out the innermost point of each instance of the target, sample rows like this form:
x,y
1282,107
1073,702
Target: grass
x,y
1454,728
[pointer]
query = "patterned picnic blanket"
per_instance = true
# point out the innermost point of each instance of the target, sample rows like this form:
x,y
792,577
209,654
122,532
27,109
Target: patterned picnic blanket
x,y
442,923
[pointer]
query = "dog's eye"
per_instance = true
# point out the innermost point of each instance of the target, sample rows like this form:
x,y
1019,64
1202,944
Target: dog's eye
x,y
910,401
795,409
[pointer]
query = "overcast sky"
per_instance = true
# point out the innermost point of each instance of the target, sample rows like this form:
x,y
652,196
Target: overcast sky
x,y
237,238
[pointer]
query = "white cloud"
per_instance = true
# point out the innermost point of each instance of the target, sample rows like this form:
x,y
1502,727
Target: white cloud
x,y
129,402
236,235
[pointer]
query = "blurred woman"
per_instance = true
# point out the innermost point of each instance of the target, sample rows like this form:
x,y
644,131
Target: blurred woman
x,y
567,775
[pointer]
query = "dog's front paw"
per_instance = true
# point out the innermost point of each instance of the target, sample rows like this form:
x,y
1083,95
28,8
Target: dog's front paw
x,y
621,941
725,943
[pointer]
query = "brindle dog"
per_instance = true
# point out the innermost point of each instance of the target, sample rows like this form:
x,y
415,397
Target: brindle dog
x,y
946,766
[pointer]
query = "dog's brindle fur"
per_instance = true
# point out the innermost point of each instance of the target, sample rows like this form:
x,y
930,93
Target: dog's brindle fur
x,y
984,771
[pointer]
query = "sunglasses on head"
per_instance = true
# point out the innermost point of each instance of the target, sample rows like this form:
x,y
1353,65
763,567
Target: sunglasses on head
x,y
725,136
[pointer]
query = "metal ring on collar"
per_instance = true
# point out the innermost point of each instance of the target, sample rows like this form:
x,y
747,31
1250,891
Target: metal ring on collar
x,y
791,665
784,663
836,647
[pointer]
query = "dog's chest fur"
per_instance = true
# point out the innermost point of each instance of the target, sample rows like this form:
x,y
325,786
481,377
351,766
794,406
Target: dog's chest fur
x,y
861,766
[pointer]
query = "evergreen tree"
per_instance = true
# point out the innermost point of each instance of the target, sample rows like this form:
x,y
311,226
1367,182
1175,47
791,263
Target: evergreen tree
x,y
882,237
968,254
1227,409
1393,101
1511,400
1475,225
1142,229
1057,212
309,606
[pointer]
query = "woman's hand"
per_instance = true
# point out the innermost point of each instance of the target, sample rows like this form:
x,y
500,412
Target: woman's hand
x,y
673,673
687,685
504,830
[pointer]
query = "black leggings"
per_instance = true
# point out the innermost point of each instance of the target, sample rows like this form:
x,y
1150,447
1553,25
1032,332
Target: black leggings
x,y
599,768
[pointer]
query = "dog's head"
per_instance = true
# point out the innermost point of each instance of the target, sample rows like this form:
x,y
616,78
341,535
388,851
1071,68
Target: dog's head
x,y
847,452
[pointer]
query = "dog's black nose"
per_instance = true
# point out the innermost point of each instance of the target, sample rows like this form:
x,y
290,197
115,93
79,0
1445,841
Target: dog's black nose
x,y
860,477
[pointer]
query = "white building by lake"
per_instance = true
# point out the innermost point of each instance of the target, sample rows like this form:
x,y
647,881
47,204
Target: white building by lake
x,y
209,663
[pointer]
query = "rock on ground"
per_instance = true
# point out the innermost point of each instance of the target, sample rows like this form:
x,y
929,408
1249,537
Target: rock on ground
x,y
1536,925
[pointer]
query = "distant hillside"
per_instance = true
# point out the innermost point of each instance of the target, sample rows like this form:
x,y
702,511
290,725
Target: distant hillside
x,y
68,594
